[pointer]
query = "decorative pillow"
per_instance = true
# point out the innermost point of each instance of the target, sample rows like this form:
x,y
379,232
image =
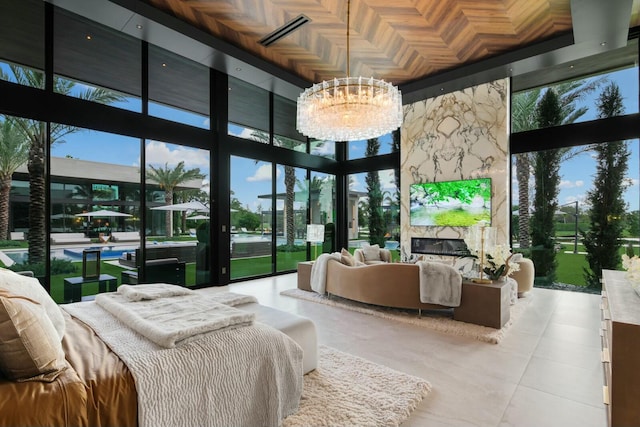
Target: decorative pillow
x,y
347,258
31,288
30,349
371,252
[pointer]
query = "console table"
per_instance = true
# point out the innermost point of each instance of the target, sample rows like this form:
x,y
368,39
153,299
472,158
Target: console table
x,y
73,286
484,304
620,349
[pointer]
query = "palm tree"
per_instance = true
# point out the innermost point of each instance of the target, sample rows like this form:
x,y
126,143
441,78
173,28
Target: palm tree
x,y
168,179
185,196
35,133
289,181
523,104
14,152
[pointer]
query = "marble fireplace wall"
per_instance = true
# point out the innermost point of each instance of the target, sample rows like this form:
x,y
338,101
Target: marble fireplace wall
x,y
459,135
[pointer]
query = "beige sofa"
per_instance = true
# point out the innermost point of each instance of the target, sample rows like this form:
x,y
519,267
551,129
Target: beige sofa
x,y
385,284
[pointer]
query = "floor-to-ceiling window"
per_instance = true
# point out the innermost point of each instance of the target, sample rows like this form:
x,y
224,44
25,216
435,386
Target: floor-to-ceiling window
x,y
575,207
177,217
322,209
292,197
94,196
251,199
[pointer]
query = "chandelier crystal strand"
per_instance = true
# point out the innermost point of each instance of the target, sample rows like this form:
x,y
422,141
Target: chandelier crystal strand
x,y
349,108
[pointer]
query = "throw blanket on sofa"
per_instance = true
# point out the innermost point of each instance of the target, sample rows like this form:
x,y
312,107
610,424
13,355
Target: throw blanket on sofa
x,y
245,376
439,284
318,277
171,321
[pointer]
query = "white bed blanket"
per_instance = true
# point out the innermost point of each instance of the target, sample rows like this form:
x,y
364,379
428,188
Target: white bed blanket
x,y
439,284
152,291
249,376
173,320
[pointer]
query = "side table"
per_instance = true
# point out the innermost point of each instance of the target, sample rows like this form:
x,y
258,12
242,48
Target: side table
x,y
73,286
304,275
484,304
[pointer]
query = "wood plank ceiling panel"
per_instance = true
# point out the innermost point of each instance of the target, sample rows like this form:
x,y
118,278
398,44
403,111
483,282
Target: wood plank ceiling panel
x,y
399,41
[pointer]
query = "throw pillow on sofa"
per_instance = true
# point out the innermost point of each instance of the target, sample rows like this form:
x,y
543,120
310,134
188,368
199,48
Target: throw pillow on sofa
x,y
371,252
347,258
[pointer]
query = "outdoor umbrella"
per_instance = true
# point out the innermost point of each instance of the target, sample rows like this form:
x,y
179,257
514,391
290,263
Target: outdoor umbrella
x,y
102,214
188,206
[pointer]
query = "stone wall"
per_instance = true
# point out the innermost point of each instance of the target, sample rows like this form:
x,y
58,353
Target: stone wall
x,y
459,135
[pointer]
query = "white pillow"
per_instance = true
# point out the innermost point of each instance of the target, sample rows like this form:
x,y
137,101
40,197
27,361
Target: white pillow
x,y
371,252
30,287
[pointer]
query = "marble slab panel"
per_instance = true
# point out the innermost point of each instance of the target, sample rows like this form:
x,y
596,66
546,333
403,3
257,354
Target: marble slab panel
x,y
458,135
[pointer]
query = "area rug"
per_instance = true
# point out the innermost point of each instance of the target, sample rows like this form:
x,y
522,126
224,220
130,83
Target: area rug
x,y
346,390
435,319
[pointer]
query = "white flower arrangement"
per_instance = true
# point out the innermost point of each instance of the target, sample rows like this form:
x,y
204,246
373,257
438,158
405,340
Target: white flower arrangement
x,y
494,260
498,261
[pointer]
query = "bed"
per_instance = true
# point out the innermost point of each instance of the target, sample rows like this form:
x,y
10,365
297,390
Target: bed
x,y
97,388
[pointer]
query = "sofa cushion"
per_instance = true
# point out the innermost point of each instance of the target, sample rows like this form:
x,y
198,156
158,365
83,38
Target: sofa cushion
x,y
347,258
29,345
371,253
31,288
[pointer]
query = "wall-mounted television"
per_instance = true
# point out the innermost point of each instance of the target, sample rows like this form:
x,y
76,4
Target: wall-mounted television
x,y
459,203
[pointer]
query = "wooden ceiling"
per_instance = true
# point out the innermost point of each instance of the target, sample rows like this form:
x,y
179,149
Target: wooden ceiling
x,y
396,40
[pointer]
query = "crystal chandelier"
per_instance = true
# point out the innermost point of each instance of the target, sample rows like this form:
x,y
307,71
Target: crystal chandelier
x,y
349,108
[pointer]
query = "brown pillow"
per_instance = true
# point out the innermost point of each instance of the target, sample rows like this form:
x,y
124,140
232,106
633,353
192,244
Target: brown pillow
x,y
30,349
31,288
347,258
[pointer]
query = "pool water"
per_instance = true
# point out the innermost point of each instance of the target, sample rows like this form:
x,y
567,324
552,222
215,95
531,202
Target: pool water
x,y
106,252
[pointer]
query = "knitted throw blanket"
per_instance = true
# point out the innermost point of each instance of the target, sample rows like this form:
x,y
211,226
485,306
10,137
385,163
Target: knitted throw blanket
x,y
243,376
174,319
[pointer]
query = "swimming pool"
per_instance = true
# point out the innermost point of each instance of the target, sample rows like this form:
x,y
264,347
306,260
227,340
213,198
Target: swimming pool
x,y
106,252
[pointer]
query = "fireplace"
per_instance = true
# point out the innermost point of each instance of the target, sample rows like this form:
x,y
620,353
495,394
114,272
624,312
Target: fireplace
x,y
438,246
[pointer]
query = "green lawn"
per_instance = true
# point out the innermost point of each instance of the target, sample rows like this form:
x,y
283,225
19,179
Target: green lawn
x,y
240,268
570,268
255,266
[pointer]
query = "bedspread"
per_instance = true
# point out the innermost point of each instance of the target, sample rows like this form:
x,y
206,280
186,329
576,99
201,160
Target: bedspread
x,y
246,376
95,390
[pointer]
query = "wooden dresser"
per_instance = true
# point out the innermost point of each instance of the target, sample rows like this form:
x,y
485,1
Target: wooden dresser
x,y
621,349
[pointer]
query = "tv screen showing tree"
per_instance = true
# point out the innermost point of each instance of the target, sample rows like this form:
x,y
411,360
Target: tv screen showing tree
x,y
450,203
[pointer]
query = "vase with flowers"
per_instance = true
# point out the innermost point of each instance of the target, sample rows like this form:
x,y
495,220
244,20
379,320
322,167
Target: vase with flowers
x,y
500,262
494,260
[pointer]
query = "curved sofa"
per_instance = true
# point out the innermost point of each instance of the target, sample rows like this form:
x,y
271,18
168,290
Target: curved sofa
x,y
386,284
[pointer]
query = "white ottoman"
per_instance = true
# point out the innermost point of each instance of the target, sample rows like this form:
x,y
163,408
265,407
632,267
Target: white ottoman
x,y
298,328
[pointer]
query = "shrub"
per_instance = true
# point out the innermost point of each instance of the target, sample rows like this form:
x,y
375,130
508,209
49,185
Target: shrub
x,y
58,266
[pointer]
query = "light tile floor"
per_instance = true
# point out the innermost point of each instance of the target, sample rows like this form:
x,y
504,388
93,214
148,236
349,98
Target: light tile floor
x,y
545,372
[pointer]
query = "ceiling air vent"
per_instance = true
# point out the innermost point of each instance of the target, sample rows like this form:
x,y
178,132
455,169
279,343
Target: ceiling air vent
x,y
284,31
